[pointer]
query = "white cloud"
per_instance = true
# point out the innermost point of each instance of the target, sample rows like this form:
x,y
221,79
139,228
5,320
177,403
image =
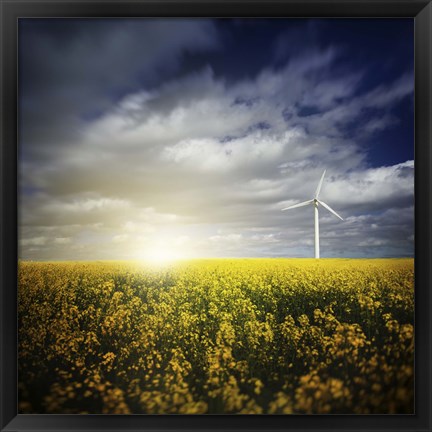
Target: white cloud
x,y
35,241
90,205
227,238
373,242
212,155
374,187
62,240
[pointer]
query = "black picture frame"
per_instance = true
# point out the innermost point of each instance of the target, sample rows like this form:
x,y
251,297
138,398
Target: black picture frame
x,y
12,10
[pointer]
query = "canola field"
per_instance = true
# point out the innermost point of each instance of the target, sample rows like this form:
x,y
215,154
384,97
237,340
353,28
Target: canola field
x,y
227,336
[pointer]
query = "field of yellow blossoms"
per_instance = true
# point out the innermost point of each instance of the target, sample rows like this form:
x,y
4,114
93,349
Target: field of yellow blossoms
x,y
231,336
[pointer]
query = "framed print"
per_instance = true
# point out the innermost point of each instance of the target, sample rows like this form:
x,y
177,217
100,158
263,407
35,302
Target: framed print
x,y
216,216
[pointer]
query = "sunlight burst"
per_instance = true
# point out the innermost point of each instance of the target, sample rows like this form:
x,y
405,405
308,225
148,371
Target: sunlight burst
x,y
161,255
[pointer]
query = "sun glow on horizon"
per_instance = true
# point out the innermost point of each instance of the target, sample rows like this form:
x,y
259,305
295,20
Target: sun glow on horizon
x,y
164,251
160,255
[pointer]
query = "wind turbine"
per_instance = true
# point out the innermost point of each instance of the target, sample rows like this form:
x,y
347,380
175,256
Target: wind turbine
x,y
315,202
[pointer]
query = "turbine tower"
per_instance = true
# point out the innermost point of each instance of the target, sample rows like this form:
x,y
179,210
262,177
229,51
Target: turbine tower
x,y
315,202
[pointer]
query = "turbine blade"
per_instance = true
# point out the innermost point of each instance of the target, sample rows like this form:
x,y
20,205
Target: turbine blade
x,y
320,184
298,205
329,209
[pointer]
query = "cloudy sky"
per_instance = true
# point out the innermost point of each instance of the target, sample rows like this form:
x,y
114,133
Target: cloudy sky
x,y
185,138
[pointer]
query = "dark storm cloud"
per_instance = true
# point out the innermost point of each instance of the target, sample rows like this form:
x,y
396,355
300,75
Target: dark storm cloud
x,y
73,70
